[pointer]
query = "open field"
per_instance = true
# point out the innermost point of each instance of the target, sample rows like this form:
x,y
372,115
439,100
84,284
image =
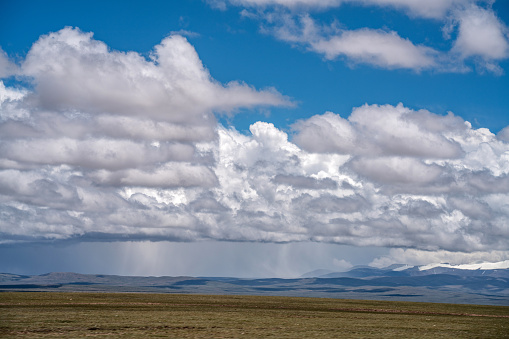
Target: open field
x,y
42,314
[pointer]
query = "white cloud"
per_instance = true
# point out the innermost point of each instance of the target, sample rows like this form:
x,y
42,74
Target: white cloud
x,y
377,200
8,103
396,170
100,123
93,153
74,72
504,134
378,48
169,175
342,264
481,35
386,176
418,257
382,130
7,67
326,133
482,38
151,163
101,109
435,9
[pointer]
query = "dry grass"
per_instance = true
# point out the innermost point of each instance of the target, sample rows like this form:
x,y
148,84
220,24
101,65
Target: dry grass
x,y
198,316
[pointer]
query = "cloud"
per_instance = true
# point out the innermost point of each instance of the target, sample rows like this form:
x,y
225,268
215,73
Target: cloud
x,y
375,47
418,257
481,37
381,48
386,176
435,9
381,130
305,182
396,170
9,109
308,4
102,143
386,194
72,71
92,153
504,134
342,264
151,163
169,175
95,108
7,67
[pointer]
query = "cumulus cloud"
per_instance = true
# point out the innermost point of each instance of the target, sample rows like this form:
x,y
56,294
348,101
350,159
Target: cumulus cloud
x,y
418,257
155,165
382,130
9,108
92,153
396,170
7,67
96,129
389,193
504,134
72,71
169,175
481,35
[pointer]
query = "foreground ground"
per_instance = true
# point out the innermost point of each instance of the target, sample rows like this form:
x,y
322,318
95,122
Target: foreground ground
x,y
26,314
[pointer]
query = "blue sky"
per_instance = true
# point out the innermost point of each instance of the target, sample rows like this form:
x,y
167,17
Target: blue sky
x,y
232,48
264,127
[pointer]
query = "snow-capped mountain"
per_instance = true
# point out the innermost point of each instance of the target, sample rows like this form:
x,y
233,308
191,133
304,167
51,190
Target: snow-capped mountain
x,y
497,269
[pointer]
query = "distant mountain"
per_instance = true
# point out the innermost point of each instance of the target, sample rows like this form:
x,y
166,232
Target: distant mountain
x,y
397,282
500,269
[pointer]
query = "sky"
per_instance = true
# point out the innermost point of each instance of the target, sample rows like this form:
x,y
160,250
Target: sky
x,y
252,138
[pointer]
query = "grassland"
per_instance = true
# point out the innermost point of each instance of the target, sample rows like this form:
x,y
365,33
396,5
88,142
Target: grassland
x,y
135,315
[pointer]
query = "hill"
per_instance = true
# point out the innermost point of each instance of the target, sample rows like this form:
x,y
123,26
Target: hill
x,y
440,284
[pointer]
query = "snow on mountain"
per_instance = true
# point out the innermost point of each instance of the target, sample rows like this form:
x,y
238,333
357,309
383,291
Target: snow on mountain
x,y
479,266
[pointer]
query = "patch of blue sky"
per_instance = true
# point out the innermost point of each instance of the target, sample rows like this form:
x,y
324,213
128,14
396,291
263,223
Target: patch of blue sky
x,y
233,49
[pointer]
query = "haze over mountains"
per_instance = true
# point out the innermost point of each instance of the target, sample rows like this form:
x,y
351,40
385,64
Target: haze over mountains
x,y
441,283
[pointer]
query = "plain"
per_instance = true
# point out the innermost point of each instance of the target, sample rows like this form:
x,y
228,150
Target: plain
x,y
129,315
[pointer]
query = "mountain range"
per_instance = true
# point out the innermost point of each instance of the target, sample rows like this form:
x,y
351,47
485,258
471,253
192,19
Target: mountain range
x,y
438,283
